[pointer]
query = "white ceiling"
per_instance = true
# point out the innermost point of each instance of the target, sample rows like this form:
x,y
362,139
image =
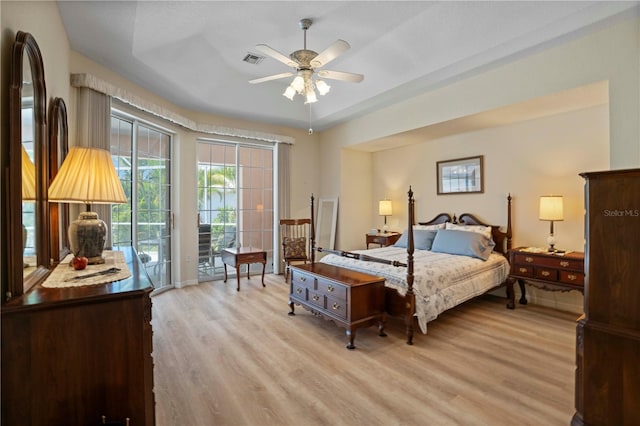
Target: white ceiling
x,y
191,52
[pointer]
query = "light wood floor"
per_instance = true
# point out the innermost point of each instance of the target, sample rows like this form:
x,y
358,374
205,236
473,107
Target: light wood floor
x,y
228,358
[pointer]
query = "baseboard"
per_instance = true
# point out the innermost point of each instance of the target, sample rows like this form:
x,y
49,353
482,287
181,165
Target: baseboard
x,y
181,284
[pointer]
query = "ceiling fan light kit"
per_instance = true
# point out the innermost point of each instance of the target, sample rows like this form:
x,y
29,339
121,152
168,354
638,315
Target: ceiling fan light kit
x,y
306,62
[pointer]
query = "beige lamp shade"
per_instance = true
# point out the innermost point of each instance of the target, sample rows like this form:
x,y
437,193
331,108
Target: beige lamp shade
x,y
87,176
385,208
28,178
551,208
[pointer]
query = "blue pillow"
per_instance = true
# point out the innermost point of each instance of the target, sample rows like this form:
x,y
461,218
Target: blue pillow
x,y
422,239
464,243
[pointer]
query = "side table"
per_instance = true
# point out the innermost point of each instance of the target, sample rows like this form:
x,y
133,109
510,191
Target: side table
x,y
243,256
546,270
383,239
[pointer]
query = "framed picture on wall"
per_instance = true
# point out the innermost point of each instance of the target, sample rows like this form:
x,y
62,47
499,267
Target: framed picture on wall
x,y
461,175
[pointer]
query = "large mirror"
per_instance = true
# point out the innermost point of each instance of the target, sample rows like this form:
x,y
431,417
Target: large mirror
x,y
59,146
327,218
28,224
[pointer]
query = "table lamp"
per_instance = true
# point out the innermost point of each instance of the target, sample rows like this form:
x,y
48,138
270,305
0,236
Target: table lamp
x,y
551,209
28,188
87,176
385,209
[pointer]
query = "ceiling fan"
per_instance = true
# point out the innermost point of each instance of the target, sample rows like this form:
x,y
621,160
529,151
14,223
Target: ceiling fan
x,y
307,63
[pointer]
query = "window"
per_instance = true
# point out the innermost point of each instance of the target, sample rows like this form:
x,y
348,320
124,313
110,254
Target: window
x,y
141,153
235,201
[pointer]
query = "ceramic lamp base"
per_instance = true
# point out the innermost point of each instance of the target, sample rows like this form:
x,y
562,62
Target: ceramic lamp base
x,y
87,236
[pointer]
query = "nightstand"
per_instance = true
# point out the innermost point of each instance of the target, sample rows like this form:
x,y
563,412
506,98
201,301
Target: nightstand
x,y
383,239
546,270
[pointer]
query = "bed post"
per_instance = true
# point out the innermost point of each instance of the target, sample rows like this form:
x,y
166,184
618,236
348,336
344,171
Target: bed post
x,y
312,235
511,295
410,297
508,222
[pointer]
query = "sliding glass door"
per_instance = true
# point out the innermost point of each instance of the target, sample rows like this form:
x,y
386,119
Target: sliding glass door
x,y
235,202
143,161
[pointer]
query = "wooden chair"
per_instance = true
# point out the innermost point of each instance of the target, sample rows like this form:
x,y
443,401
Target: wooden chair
x,y
295,237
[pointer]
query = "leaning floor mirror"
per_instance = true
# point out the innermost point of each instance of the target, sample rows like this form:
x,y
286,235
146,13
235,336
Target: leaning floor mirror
x,y
326,223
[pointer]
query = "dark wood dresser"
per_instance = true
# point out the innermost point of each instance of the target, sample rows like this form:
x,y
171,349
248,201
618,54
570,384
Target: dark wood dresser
x,y
349,298
545,270
608,335
72,355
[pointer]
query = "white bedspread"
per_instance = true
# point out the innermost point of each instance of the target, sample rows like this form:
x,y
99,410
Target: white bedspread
x,y
441,281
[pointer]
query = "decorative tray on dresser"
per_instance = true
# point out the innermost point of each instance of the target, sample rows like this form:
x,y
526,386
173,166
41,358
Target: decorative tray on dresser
x,y
350,299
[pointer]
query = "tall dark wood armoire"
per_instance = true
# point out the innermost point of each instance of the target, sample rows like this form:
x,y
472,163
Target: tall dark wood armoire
x,y
608,336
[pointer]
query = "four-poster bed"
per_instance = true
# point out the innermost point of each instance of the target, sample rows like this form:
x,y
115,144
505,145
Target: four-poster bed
x,y
443,279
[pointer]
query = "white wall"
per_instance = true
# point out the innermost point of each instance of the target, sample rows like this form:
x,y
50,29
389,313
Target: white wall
x,y
528,159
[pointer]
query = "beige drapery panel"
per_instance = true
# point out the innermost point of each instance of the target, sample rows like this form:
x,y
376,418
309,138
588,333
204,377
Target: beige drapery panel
x,y
283,205
94,130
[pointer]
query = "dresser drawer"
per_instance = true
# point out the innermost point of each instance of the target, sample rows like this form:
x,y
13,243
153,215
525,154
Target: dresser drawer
x,y
301,284
331,289
570,277
337,307
522,270
302,280
377,240
253,258
524,259
316,299
551,261
299,292
546,274
561,263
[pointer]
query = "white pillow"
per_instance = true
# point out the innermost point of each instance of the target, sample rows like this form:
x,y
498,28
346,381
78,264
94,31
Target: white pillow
x,y
429,227
484,230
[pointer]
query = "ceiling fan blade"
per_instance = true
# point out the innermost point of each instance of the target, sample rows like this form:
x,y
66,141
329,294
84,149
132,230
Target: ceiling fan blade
x,y
330,53
340,75
271,77
276,55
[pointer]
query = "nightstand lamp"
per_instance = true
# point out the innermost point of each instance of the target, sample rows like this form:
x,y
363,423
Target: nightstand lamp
x,y
385,209
87,176
551,209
